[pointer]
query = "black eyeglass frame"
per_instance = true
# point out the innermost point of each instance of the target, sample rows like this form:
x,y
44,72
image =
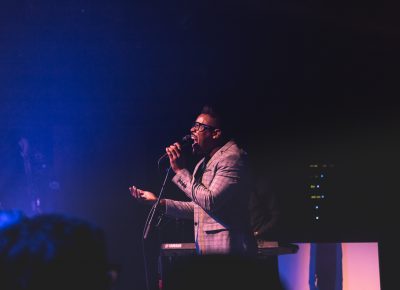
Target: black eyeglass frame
x,y
200,127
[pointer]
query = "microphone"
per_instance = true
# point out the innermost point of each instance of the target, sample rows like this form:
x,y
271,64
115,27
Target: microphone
x,y
185,142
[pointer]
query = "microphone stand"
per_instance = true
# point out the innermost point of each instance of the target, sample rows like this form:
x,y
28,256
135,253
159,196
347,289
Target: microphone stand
x,y
150,217
186,140
153,210
149,222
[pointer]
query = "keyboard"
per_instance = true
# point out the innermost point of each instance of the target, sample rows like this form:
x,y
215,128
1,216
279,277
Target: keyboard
x,y
265,248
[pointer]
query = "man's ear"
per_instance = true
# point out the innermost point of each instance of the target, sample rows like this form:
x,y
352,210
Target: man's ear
x,y
216,134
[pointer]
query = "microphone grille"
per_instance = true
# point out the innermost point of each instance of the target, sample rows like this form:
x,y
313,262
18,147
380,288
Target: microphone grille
x,y
187,138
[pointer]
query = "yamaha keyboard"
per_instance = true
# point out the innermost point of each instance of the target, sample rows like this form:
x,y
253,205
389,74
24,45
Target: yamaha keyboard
x,y
265,248
181,253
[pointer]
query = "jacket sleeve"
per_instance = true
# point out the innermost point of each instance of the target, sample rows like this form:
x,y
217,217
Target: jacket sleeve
x,y
223,183
179,209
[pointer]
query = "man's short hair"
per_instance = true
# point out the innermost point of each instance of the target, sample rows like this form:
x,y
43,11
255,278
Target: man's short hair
x,y
222,116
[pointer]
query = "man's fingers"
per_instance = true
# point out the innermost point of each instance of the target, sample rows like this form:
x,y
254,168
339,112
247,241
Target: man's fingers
x,y
135,192
173,151
177,145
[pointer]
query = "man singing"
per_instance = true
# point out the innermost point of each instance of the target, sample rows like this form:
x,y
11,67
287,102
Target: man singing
x,y
218,189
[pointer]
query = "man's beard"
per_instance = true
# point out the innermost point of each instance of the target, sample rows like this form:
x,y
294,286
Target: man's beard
x,y
196,150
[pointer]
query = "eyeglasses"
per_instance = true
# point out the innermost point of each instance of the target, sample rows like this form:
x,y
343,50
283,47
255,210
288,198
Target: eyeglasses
x,y
200,127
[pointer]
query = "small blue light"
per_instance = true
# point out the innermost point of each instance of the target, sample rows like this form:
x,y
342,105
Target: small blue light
x,y
317,217
316,207
322,176
322,196
317,185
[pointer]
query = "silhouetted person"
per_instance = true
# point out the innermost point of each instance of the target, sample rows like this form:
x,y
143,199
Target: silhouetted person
x,y
265,213
49,252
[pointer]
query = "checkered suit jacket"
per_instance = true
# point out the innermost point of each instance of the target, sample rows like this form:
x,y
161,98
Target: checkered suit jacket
x,y
219,203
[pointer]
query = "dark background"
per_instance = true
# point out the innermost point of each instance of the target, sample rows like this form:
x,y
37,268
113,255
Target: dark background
x,y
100,88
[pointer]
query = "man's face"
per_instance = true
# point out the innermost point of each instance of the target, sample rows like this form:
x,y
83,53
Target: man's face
x,y
202,133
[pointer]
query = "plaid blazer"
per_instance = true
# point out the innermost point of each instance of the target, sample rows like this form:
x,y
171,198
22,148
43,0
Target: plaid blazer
x,y
219,203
